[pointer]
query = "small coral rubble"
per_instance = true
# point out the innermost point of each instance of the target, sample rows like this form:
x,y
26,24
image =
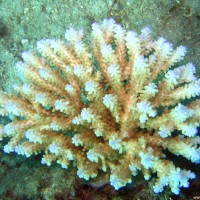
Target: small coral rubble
x,y
113,106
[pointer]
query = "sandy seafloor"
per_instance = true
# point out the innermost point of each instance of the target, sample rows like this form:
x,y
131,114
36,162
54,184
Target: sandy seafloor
x,y
24,22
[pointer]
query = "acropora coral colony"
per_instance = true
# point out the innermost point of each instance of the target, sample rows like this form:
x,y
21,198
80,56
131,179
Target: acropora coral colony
x,y
115,105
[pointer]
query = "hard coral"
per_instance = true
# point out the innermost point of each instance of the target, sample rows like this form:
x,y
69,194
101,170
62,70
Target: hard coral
x,y
114,106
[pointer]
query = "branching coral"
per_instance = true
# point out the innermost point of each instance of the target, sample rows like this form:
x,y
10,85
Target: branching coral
x,y
114,106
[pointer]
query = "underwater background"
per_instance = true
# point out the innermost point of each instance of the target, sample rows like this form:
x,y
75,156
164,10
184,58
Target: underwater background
x,y
23,23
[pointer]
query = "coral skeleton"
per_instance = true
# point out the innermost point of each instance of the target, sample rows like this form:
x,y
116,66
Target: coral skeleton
x,y
115,105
